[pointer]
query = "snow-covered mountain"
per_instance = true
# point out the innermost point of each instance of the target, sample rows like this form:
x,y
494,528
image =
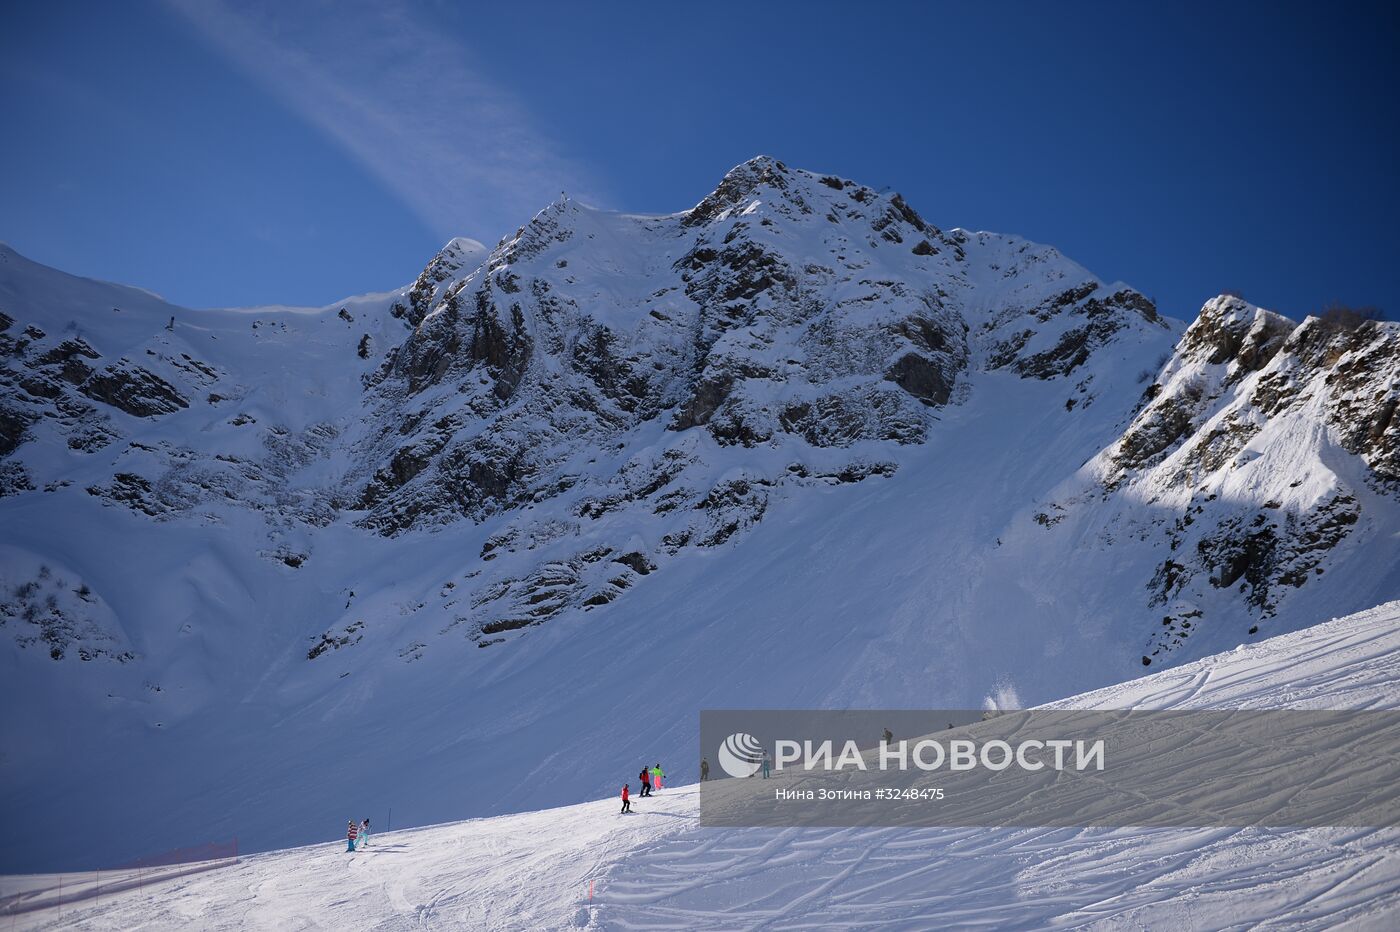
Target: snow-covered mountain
x,y
483,543
586,866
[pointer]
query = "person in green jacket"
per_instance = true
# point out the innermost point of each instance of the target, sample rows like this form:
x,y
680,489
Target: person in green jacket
x,y
656,774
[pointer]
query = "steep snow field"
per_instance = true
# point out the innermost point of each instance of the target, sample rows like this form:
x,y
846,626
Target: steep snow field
x,y
587,866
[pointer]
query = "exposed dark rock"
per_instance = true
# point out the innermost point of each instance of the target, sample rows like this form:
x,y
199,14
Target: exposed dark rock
x,y
1102,319
731,506
709,393
14,479
595,354
137,391
737,185
838,420
445,267
350,635
40,386
1229,331
1363,410
637,561
13,429
1250,555
65,361
456,340
923,378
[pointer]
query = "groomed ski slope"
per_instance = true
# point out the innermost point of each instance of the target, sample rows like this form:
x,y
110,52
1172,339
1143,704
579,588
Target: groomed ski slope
x,y
657,869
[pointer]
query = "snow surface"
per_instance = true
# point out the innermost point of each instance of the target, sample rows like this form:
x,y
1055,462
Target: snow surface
x,y
588,866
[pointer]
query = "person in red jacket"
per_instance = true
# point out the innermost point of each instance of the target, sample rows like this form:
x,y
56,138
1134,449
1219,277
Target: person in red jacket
x,y
350,836
626,799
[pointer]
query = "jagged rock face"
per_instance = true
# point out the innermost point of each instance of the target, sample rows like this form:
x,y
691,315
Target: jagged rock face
x,y
124,385
599,378
138,392
1089,319
802,315
787,312
786,308
427,291
1360,370
49,382
1231,331
13,424
1227,341
1234,451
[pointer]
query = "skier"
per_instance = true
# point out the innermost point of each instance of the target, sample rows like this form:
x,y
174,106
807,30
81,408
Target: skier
x,y
704,769
656,774
645,777
889,736
350,836
626,799
364,833
766,762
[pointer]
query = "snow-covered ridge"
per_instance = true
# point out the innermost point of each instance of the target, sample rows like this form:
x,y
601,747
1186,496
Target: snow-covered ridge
x,y
586,866
794,445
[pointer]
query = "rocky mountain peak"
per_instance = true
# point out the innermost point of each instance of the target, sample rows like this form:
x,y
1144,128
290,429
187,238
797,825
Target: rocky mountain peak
x,y
741,183
605,393
1231,330
459,257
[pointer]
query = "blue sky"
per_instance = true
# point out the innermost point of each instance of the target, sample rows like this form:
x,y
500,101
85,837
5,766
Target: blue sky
x,y
233,153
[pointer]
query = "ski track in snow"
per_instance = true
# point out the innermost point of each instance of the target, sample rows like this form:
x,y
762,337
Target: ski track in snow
x,y
657,869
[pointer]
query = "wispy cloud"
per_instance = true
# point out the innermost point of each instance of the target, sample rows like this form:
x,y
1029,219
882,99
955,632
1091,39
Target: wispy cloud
x,y
403,99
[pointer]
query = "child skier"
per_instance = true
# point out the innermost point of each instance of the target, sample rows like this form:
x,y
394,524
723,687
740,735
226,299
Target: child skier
x,y
766,762
704,769
350,836
645,777
656,774
626,799
364,833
